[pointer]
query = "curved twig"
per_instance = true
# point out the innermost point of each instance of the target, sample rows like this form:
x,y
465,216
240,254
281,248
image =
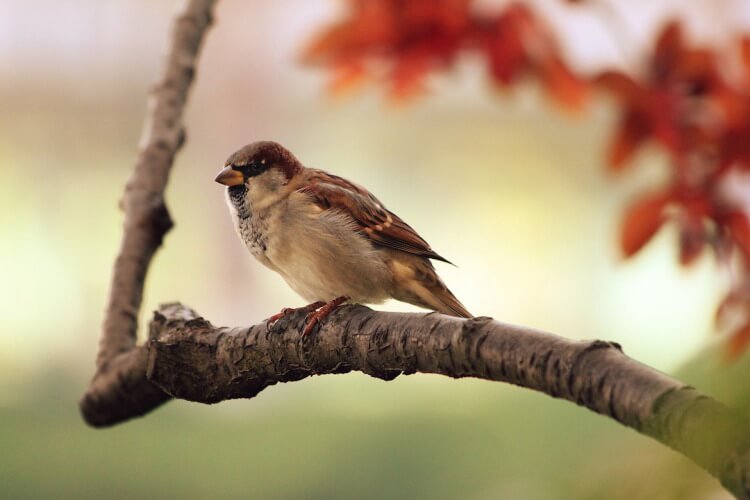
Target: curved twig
x,y
146,217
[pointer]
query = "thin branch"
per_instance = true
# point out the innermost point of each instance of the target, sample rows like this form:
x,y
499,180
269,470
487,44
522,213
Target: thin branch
x,y
146,217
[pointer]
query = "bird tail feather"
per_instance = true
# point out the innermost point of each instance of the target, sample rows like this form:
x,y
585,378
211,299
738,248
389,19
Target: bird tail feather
x,y
422,286
449,304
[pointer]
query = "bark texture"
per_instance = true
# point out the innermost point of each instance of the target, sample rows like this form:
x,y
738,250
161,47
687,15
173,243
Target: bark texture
x,y
189,358
147,220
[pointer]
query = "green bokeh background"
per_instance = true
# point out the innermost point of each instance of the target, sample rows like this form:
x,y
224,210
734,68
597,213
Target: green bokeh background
x,y
507,186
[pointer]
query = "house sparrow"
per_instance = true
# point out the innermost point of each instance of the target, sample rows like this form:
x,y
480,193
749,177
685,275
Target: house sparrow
x,y
330,239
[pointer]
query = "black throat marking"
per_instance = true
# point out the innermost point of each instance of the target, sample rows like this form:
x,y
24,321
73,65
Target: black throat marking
x,y
239,200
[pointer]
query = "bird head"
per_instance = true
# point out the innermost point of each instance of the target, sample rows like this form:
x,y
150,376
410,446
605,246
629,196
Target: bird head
x,y
258,172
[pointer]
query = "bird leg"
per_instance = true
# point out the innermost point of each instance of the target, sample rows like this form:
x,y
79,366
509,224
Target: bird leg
x,y
289,310
316,317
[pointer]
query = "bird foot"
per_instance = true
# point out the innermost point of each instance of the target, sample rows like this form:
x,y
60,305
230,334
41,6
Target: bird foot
x,y
316,316
289,310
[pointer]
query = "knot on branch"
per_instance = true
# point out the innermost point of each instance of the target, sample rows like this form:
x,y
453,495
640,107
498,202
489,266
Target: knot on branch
x,y
159,221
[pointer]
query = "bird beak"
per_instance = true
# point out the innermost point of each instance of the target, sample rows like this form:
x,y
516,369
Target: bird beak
x,y
229,177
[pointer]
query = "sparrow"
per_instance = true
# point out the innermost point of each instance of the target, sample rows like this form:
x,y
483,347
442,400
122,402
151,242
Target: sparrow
x,y
330,239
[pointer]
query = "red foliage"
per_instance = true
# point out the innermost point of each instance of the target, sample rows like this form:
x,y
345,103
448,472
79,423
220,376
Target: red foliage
x,y
701,118
681,101
642,220
403,41
413,37
738,342
517,44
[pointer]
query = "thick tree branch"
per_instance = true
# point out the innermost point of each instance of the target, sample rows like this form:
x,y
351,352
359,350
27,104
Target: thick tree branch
x,y
146,217
188,358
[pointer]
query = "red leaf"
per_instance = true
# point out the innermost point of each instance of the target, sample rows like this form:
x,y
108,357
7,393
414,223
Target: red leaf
x,y
737,344
634,129
668,47
562,85
739,228
735,145
346,77
692,241
642,220
620,84
408,75
371,25
445,15
664,119
693,235
505,50
332,40
745,52
696,66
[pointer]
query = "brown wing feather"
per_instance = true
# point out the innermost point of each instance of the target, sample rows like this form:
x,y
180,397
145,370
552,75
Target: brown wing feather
x,y
382,226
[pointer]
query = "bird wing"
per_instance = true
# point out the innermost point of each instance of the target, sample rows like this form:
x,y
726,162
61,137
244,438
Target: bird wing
x,y
379,224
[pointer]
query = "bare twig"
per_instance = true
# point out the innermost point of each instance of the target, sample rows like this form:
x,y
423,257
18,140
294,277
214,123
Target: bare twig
x,y
146,217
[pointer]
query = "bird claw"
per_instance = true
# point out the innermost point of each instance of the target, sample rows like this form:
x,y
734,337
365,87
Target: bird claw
x,y
320,313
273,319
270,322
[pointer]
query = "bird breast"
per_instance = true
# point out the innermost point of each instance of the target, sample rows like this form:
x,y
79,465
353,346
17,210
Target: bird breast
x,y
320,253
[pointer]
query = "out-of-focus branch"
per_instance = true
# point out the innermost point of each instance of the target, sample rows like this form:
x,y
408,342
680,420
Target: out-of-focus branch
x,y
146,221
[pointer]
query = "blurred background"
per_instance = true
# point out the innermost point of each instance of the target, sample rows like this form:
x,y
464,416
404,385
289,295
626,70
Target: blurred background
x,y
505,185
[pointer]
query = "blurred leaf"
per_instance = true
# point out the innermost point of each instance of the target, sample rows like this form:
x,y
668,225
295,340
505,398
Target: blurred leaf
x,y
739,227
738,342
347,76
620,84
745,54
692,241
666,51
563,85
631,133
641,222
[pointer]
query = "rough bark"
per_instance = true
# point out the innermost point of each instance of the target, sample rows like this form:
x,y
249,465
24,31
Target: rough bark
x,y
188,358
146,217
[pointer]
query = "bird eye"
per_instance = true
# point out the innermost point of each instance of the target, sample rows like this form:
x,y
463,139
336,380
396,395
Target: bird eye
x,y
251,169
256,167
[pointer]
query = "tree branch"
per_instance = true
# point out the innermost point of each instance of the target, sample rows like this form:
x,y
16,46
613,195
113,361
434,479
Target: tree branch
x,y
146,217
188,358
